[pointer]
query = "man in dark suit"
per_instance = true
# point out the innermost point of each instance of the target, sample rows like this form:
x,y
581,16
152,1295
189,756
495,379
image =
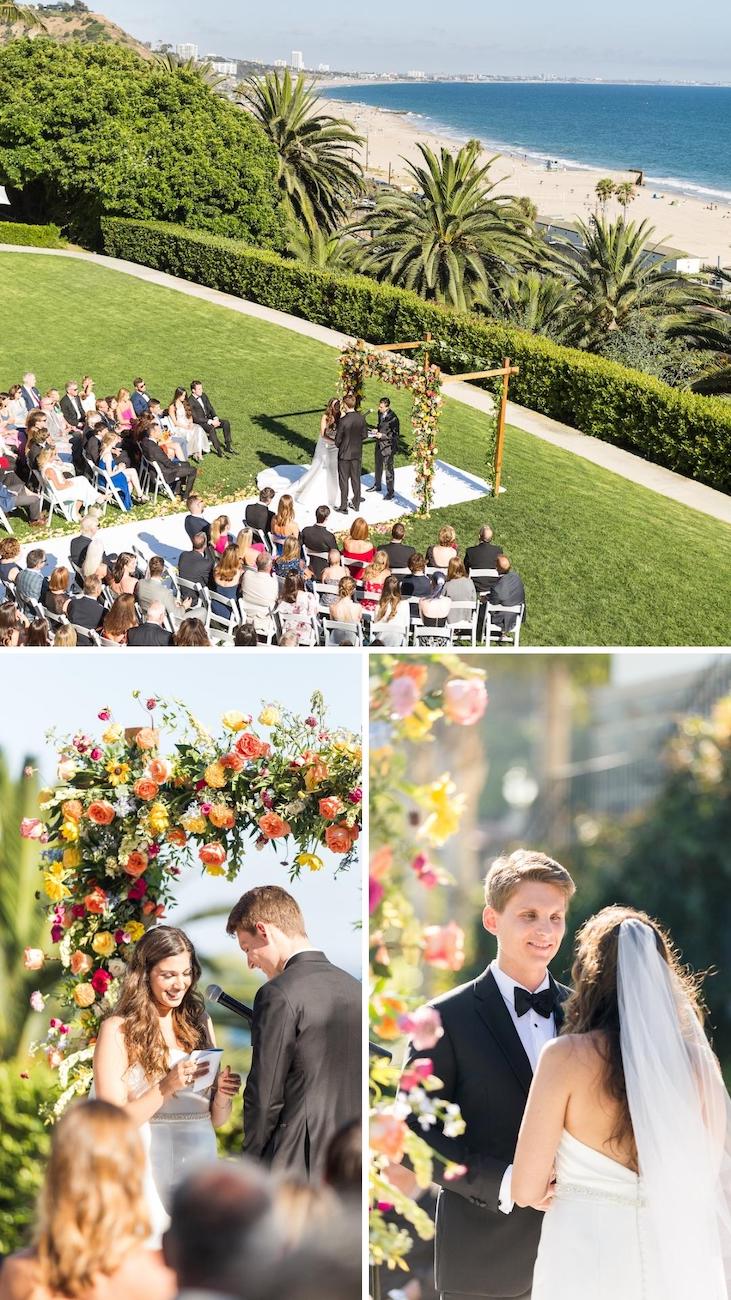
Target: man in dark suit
x,y
316,537
196,565
180,475
351,433
71,408
204,414
417,583
387,436
92,437
508,590
29,392
139,397
103,410
397,551
493,1030
257,514
305,1078
194,521
482,556
87,610
152,632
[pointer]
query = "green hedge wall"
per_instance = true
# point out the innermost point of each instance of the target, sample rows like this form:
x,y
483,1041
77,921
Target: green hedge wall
x,y
683,431
17,232
24,1146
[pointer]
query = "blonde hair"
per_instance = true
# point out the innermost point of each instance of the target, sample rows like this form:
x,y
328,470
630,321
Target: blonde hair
x,y
377,566
447,535
508,872
301,1209
219,526
244,539
66,635
122,395
291,549
285,513
92,1210
228,567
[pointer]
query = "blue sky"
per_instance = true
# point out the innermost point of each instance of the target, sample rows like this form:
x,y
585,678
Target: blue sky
x,y
67,690
566,38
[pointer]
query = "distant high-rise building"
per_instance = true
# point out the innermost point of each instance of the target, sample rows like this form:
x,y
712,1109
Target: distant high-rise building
x,y
224,67
280,63
187,51
418,76
323,67
296,62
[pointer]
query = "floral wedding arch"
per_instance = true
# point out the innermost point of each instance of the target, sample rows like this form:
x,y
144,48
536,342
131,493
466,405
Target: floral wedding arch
x,y
359,361
123,820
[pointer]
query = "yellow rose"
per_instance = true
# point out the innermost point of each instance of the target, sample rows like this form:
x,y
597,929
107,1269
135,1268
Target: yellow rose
x,y
54,888
445,807
233,721
71,859
84,995
196,825
45,797
69,831
309,860
215,775
269,717
215,869
135,930
157,818
420,722
112,733
103,943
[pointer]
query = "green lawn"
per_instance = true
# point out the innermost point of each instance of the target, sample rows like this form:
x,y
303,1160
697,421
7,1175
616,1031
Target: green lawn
x,y
604,562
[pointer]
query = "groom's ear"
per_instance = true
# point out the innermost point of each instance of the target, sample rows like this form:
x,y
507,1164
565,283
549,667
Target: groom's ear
x,y
489,919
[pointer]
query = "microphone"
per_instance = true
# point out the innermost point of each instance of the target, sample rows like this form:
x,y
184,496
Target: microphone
x,y
215,993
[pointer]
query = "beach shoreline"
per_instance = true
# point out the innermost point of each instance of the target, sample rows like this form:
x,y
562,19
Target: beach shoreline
x,y
696,226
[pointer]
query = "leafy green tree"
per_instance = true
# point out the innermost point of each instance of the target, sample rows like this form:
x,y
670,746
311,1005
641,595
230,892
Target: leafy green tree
x,y
11,13
453,239
318,172
93,130
24,1149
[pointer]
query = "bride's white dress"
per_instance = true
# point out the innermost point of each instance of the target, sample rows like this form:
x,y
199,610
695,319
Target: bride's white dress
x,y
320,486
592,1241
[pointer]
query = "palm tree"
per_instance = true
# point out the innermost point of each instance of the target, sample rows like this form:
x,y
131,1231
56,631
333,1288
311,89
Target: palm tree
x,y
11,13
452,240
625,193
318,171
23,923
707,328
539,303
604,189
336,251
171,63
613,274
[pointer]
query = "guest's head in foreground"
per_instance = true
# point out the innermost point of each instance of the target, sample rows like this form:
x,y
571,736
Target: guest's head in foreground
x,y
416,562
502,564
526,897
245,635
344,1160
486,533
301,1209
191,632
195,504
266,495
155,613
222,1238
322,514
160,983
285,513
359,530
37,633
456,569
66,636
269,928
119,619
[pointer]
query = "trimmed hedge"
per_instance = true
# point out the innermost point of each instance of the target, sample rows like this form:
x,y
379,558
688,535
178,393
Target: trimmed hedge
x,y
682,431
17,232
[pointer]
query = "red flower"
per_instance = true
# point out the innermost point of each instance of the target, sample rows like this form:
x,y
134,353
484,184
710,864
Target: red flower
x,y
138,889
100,981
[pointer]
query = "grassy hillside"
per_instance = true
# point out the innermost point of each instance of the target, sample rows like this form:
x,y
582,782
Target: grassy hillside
x,y
89,28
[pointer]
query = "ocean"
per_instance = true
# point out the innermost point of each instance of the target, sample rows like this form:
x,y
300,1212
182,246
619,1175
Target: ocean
x,y
679,135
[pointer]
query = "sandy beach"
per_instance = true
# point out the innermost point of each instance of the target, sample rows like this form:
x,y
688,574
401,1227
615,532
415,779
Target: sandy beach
x,y
684,223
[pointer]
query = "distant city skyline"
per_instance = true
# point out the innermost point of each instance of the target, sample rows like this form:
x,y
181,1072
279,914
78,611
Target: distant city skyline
x,y
623,42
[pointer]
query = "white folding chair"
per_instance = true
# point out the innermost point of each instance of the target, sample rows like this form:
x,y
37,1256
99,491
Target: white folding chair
x,y
153,480
463,621
322,589
262,616
102,481
87,632
495,634
334,630
434,637
231,618
200,597
55,502
6,522
379,630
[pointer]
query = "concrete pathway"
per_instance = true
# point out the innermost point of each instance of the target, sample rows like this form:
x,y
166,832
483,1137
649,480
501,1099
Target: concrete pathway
x,y
663,481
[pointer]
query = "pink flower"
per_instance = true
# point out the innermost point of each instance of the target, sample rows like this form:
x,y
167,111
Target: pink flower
x,y
54,1023
423,1026
138,889
153,850
425,872
464,700
77,911
105,715
56,933
31,828
405,696
206,808
444,946
375,893
33,958
100,981
415,1073
311,721
37,1001
63,1029
96,753
454,1171
267,799
199,785
355,796
121,936
151,703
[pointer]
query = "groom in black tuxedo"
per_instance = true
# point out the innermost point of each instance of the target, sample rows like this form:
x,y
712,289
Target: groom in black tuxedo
x,y
351,433
306,1038
494,1028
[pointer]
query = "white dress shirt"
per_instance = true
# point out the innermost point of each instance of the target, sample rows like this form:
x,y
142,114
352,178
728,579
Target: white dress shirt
x,y
534,1031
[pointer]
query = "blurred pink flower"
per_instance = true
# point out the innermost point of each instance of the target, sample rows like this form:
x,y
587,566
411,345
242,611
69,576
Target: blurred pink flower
x,y
424,1027
33,958
36,1000
375,893
454,1171
415,1073
424,871
464,700
31,828
444,946
405,696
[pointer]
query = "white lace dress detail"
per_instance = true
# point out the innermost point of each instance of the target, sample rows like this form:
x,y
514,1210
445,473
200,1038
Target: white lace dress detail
x,y
319,486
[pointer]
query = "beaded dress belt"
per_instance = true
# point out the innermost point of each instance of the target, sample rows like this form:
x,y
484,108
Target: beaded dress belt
x,y
584,1192
184,1116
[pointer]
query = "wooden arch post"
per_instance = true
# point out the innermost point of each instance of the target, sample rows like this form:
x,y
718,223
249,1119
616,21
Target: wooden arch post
x,y
505,371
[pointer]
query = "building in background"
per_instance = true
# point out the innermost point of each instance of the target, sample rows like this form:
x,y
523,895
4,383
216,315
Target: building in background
x,y
187,51
224,67
297,62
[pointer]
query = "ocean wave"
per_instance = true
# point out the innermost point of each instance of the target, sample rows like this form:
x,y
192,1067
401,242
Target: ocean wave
x,y
689,187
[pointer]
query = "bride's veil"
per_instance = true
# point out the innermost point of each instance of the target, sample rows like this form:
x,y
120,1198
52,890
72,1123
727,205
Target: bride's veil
x,y
681,1118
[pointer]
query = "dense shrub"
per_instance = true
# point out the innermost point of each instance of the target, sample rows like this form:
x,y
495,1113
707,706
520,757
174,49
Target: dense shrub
x,y
24,1146
17,232
685,432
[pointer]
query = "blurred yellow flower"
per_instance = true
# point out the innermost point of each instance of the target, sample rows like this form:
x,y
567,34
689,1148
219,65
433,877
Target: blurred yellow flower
x,y
84,995
419,722
309,860
112,733
215,775
71,859
103,943
54,888
135,930
45,797
196,825
157,818
215,869
445,807
269,716
233,721
69,831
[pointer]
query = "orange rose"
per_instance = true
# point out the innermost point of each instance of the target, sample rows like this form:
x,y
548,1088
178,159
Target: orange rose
x,y
80,963
250,746
341,838
176,836
417,672
221,817
330,807
212,855
100,812
145,789
381,862
444,946
95,901
72,810
388,1135
136,863
273,827
159,770
315,774
146,738
232,762
151,907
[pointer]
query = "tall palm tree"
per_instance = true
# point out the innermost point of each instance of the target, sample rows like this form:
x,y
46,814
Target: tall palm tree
x,y
452,240
11,13
707,328
334,251
171,63
318,171
613,274
604,189
539,303
625,193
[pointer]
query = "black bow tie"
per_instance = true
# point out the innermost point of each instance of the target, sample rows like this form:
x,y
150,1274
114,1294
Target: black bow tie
x,y
544,1002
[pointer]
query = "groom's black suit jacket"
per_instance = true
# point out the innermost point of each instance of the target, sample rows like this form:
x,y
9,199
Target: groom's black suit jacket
x,y
351,433
484,1068
305,1077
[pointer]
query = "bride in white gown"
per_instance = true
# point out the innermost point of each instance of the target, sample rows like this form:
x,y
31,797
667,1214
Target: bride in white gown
x,y
320,485
141,1063
629,1111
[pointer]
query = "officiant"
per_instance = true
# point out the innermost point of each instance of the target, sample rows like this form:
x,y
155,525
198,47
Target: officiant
x,y
387,444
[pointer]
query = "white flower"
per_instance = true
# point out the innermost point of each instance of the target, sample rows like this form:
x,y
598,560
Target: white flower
x,y
116,967
123,804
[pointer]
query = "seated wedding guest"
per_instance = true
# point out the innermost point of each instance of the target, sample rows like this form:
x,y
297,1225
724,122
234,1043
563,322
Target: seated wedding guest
x,y
124,478
194,521
290,561
225,580
152,587
317,537
87,394
153,631
20,497
18,408
36,633
332,575
205,416
71,408
8,427
9,637
417,584
392,616
260,590
28,391
220,537
71,488
10,615
58,425
130,445
191,632
459,588
37,439
435,607
30,582
344,1160
302,1210
284,524
196,565
178,474
122,579
87,550
87,610
357,545
248,549
66,635
92,1219
103,410
119,619
345,609
374,576
286,639
125,412
438,556
297,609
507,590
397,551
258,515
183,427
57,597
482,556
245,635
139,397
9,552
222,1239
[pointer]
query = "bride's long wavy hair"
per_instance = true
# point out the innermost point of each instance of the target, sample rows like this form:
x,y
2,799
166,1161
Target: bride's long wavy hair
x,y
140,1022
332,414
593,1005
